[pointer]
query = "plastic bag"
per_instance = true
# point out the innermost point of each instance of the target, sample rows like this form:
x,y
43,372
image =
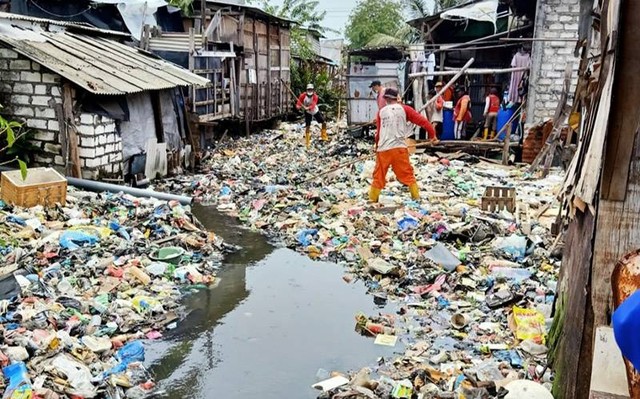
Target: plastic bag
x,y
443,257
407,223
143,304
304,236
78,375
131,352
514,245
530,325
19,384
70,239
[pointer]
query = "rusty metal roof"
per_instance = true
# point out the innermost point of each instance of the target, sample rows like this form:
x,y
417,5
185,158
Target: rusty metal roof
x,y
98,65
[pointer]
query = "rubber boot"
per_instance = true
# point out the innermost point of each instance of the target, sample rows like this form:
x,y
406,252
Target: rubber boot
x,y
307,137
323,133
493,134
415,191
485,134
374,194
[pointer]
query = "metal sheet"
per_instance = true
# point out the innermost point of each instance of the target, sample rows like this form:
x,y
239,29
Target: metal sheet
x,y
76,25
101,66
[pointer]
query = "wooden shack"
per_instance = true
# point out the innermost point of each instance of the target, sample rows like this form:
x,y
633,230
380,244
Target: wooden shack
x,y
263,46
246,54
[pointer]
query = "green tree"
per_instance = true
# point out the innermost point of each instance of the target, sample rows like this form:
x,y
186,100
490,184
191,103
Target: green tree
x,y
371,17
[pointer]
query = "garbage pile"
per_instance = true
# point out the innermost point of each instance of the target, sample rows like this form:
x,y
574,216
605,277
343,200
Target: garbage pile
x,y
84,285
474,289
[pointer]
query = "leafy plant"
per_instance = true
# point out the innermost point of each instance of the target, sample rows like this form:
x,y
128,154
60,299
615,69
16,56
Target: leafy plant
x,y
186,6
8,130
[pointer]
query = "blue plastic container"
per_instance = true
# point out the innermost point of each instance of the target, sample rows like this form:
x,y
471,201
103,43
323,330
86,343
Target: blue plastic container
x,y
626,324
447,125
503,117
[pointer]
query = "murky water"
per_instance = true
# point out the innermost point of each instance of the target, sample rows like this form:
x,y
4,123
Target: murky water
x,y
275,318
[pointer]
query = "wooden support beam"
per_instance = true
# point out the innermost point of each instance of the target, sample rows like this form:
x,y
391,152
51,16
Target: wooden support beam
x,y
72,132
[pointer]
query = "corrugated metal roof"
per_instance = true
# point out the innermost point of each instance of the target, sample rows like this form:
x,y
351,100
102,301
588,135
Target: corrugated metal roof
x,y
100,65
68,24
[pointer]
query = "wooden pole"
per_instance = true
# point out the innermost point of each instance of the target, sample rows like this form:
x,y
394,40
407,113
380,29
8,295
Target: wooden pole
x,y
72,133
449,84
505,148
471,71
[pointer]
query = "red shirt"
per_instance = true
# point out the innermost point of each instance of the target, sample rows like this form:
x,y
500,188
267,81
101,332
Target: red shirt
x,y
313,105
494,103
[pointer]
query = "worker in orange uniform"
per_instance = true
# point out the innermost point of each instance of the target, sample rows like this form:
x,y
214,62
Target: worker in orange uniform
x,y
462,113
391,145
309,101
448,94
491,108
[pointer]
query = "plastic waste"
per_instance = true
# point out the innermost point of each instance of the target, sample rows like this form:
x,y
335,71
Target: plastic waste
x,y
19,386
73,239
440,255
144,304
526,389
626,324
305,236
403,389
171,255
530,325
131,352
511,273
97,344
407,223
78,375
513,245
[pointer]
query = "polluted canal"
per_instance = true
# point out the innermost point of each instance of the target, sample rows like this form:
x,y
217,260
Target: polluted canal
x,y
269,329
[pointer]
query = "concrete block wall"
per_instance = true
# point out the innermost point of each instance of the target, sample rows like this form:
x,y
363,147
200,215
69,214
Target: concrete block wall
x,y
555,19
30,93
100,146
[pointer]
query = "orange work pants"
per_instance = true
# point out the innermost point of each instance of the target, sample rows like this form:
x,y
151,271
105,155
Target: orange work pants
x,y
398,160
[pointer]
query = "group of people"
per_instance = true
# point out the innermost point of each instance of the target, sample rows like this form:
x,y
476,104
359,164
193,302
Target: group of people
x,y
392,128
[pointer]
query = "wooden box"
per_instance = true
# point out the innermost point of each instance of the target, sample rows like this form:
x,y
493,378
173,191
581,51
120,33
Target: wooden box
x,y
496,199
43,186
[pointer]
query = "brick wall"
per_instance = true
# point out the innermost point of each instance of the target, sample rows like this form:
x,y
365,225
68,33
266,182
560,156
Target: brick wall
x,y
30,93
100,146
555,19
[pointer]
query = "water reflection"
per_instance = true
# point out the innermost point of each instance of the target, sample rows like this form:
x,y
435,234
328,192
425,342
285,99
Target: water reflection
x,y
275,318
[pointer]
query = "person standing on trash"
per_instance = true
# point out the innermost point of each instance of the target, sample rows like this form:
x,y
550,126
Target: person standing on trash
x,y
309,101
391,146
491,108
377,88
462,113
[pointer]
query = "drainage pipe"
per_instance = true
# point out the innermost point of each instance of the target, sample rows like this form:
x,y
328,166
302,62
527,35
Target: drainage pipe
x,y
92,185
96,186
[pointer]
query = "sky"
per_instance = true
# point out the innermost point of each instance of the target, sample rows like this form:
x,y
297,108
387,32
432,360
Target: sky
x,y
337,14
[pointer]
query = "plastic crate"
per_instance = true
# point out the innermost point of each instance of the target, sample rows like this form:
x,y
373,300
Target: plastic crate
x,y
43,186
496,199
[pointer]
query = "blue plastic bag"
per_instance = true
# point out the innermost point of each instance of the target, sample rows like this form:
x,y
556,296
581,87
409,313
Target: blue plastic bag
x,y
19,383
131,352
407,223
626,324
70,239
305,236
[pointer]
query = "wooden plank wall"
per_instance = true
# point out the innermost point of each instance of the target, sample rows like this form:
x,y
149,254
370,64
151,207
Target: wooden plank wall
x,y
266,50
585,294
